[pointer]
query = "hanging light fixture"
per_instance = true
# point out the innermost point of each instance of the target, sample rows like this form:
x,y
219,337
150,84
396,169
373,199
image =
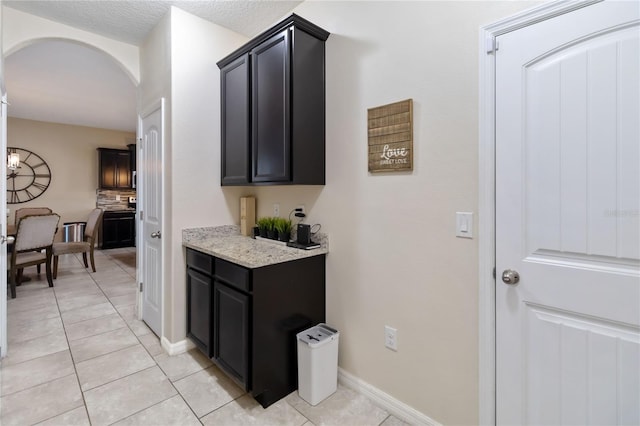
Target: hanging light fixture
x,y
13,159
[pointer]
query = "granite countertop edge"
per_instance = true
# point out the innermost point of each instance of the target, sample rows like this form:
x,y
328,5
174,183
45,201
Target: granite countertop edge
x,y
225,242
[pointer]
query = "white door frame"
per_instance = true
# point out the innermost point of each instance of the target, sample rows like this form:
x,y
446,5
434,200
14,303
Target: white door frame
x,y
487,194
140,187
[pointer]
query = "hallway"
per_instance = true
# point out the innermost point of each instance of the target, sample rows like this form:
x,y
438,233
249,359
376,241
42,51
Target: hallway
x,y
77,352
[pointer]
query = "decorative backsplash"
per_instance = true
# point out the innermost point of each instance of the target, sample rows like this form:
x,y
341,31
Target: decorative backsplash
x,y
106,199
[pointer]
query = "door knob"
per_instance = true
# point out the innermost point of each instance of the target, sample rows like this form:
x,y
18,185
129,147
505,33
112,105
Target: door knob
x,y
511,277
9,240
156,234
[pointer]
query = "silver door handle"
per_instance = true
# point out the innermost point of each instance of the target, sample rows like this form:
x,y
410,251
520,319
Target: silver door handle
x,y
9,240
511,277
156,234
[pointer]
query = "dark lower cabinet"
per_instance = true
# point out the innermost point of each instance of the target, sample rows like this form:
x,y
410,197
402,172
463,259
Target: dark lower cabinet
x,y
248,323
231,331
199,287
118,229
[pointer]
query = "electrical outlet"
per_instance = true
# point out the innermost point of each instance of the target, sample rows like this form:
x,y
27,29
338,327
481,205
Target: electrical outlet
x,y
276,210
391,338
300,208
118,197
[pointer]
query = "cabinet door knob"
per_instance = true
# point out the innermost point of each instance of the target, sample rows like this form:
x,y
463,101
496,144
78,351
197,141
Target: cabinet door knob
x,y
156,234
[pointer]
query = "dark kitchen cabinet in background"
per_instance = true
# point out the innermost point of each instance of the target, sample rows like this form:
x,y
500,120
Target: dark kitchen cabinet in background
x,y
273,107
114,168
254,317
118,229
133,163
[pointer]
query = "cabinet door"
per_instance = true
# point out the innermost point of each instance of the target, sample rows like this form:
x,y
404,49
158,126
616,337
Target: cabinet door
x,y
270,102
235,122
199,310
231,332
115,169
118,231
123,169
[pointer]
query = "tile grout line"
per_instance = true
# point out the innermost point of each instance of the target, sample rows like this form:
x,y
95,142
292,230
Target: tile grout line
x,y
84,402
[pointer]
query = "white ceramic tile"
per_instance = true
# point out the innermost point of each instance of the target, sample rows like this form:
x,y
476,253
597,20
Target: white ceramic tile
x,y
139,328
41,402
345,406
100,344
94,326
86,313
116,400
172,411
207,390
178,366
106,368
394,421
35,348
245,411
34,372
27,330
72,303
75,417
151,344
33,315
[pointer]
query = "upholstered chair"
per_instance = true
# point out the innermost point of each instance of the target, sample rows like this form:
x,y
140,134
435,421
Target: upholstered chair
x,y
84,247
33,235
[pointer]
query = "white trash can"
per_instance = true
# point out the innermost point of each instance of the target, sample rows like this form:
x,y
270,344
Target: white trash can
x,y
317,363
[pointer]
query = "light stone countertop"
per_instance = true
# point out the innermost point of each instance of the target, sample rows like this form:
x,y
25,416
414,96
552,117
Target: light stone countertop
x,y
225,242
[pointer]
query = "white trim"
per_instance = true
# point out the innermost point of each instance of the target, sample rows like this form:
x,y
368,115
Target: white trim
x,y
384,400
486,196
3,216
177,348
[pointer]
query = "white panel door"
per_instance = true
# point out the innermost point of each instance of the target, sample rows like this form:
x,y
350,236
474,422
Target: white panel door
x,y
150,185
568,219
3,223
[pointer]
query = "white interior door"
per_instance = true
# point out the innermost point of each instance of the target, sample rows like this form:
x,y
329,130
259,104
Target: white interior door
x,y
3,224
568,219
150,187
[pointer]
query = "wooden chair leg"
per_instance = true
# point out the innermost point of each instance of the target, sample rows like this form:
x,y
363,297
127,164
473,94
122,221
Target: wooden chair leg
x,y
19,277
38,269
12,279
93,263
84,257
55,267
48,269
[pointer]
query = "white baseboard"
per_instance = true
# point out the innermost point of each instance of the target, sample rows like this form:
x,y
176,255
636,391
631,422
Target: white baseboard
x,y
393,406
177,348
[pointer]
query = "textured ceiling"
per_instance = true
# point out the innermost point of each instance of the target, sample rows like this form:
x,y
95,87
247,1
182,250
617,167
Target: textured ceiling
x,y
63,82
130,21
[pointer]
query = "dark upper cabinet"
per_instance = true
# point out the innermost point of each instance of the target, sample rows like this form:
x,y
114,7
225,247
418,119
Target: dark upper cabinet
x,y
235,122
273,107
270,72
114,168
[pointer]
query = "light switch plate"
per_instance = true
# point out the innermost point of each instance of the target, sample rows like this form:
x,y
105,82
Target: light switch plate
x,y
464,224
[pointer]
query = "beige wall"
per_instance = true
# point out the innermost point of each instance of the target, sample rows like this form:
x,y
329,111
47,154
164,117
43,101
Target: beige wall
x,y
178,62
70,152
394,258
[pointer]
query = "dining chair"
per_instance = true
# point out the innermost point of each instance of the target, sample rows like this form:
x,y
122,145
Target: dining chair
x,y
34,234
30,211
84,247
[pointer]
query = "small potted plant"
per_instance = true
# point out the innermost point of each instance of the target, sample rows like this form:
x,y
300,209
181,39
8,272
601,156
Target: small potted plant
x,y
263,226
283,226
272,232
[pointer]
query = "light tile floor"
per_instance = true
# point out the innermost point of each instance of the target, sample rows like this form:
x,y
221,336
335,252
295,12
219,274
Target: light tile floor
x,y
78,356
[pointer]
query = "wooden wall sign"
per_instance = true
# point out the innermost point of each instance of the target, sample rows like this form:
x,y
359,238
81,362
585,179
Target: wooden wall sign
x,y
390,129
